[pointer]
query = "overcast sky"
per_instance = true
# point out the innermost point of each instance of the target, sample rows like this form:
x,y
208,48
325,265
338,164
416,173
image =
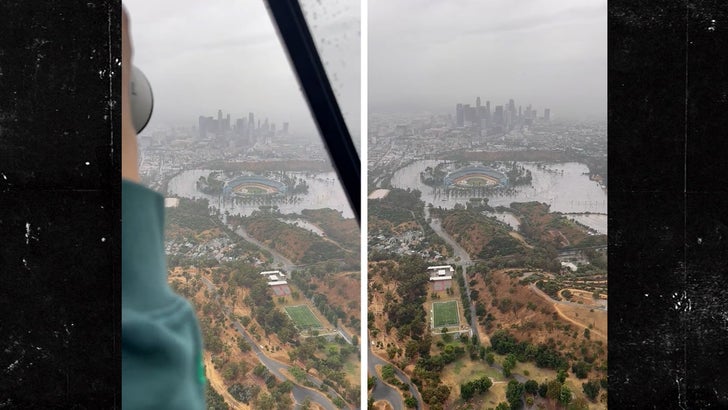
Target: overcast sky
x,y
201,56
430,55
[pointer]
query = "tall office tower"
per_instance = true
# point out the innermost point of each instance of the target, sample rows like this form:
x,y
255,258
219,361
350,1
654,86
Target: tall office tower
x,y
512,106
498,115
477,102
547,114
459,115
487,106
202,126
285,127
480,113
251,127
219,121
467,114
227,123
519,112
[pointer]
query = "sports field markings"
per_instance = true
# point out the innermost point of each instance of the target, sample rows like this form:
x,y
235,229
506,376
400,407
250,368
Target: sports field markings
x,y
445,314
303,317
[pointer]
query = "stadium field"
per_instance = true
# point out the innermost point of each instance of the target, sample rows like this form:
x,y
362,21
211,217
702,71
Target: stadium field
x,y
303,317
445,314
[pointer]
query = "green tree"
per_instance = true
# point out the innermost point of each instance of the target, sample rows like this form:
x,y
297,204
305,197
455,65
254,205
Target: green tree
x,y
514,391
467,390
508,364
561,376
554,390
531,386
490,358
565,395
591,389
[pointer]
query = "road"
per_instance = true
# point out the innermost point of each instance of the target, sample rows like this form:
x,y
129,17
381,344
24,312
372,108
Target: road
x,y
279,260
459,256
564,302
383,391
277,368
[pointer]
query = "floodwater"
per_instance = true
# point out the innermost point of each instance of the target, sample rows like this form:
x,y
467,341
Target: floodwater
x,y
564,186
324,191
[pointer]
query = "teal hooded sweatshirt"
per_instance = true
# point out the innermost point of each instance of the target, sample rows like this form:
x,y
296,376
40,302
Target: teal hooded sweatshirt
x,y
161,346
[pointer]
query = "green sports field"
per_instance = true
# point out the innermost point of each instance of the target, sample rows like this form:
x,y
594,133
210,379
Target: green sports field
x,y
445,313
303,317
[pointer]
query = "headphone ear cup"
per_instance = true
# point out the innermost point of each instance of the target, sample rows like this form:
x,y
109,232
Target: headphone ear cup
x,y
142,100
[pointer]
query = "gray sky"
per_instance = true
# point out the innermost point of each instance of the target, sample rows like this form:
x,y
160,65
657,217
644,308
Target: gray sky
x,y
430,55
201,56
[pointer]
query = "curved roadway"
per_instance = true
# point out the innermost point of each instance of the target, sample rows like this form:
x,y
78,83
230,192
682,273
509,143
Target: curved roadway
x,y
300,393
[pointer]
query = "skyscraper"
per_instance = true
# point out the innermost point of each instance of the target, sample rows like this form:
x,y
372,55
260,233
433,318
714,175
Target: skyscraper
x,y
547,114
477,102
459,115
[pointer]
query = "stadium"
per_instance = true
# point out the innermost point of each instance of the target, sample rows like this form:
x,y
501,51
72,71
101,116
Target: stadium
x,y
475,177
247,186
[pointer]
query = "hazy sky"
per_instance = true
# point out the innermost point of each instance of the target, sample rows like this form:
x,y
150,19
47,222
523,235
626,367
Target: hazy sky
x,y
430,55
201,56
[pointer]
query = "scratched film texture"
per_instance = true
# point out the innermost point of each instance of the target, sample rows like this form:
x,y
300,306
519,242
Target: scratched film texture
x,y
59,204
668,232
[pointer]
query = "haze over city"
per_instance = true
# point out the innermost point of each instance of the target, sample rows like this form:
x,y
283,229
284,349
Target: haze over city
x,y
201,57
426,56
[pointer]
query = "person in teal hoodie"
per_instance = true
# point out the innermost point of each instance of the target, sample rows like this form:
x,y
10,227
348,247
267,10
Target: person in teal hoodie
x,y
161,345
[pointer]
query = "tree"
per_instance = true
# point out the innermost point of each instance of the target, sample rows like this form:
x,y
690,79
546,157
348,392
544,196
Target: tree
x,y
490,358
542,389
565,395
591,389
508,364
554,390
561,376
587,334
467,390
531,386
581,369
514,391
502,406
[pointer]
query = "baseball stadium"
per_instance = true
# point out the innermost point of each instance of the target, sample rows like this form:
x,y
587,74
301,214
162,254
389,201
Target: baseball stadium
x,y
475,177
247,186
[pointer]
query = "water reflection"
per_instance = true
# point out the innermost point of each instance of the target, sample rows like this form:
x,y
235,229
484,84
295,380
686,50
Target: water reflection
x,y
324,191
566,187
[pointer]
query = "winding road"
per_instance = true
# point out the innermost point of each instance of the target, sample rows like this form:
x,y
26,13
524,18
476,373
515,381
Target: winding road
x,y
277,368
381,390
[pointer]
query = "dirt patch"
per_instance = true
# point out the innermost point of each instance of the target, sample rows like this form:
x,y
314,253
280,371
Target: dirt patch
x,y
382,405
520,238
585,317
217,383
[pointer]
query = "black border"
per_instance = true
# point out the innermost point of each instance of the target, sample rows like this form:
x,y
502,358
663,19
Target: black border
x,y
668,220
60,208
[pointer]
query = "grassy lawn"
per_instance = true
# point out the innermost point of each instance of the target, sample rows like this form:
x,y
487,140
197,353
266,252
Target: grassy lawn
x,y
303,317
445,313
